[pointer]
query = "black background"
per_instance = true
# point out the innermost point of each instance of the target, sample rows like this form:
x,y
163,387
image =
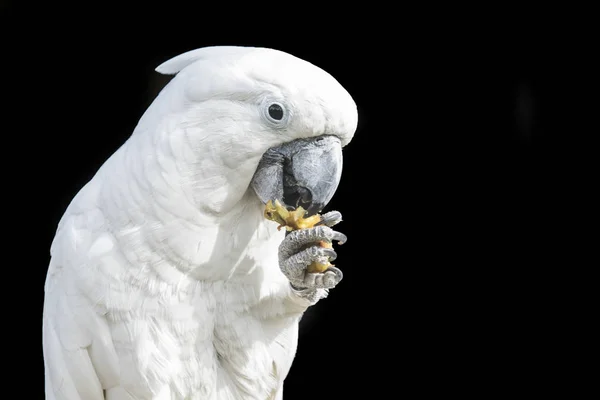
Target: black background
x,y
449,191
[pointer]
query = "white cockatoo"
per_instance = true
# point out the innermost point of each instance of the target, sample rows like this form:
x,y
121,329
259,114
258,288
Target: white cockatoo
x,y
166,281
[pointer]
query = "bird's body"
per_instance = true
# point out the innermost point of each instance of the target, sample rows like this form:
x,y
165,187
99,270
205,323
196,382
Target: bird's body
x,y
164,281
172,333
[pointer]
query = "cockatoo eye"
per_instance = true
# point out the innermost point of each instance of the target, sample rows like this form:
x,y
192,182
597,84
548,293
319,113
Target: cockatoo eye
x,y
276,111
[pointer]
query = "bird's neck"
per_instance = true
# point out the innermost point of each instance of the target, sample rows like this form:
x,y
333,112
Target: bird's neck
x,y
201,224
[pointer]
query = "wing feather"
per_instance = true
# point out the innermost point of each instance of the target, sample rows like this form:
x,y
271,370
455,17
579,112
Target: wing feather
x,y
79,357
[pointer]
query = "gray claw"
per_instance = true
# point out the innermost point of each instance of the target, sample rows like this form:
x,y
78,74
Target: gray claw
x,y
339,237
330,219
332,277
295,241
330,253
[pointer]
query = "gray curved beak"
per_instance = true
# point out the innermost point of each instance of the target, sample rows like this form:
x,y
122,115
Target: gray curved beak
x,y
303,172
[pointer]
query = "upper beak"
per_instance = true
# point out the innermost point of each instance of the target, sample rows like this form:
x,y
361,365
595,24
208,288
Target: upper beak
x,y
304,172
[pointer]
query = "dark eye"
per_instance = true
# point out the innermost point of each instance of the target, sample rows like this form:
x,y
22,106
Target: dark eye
x,y
276,112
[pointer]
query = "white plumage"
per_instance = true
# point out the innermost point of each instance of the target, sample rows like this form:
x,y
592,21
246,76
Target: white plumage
x,y
164,281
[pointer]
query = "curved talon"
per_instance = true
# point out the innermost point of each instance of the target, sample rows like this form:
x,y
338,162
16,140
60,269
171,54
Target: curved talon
x,y
339,237
336,272
332,277
330,219
329,253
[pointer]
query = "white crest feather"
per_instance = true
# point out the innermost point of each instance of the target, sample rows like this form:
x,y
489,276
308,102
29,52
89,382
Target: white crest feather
x,y
177,63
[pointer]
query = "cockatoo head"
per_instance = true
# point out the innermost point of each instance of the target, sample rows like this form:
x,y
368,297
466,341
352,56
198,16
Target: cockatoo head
x,y
258,119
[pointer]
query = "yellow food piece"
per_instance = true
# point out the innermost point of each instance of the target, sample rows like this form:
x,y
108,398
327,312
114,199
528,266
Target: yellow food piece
x,y
291,220
294,220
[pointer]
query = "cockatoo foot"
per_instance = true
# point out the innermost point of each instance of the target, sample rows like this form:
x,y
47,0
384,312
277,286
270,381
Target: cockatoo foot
x,y
300,248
